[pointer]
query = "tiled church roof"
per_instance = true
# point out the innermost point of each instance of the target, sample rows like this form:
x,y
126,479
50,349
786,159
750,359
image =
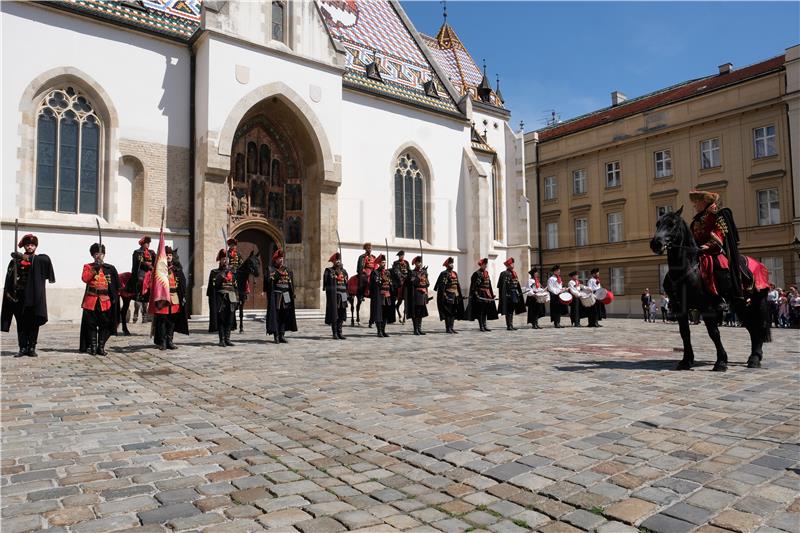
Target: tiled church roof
x,y
453,57
660,98
372,31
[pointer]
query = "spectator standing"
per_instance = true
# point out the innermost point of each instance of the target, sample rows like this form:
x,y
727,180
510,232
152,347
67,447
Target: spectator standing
x,y
772,303
664,304
646,300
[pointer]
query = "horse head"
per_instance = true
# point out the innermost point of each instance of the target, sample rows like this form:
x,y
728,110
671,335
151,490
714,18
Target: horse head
x,y
669,232
252,263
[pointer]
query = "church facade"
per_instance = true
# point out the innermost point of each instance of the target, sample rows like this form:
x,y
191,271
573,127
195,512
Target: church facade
x,y
305,125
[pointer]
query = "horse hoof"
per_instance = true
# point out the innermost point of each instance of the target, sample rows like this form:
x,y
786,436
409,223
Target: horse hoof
x,y
684,365
720,367
754,362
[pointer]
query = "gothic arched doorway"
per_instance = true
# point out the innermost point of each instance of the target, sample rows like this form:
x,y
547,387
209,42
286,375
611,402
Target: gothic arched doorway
x,y
257,241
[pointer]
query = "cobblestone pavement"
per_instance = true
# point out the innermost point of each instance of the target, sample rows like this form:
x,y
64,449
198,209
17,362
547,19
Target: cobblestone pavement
x,y
551,430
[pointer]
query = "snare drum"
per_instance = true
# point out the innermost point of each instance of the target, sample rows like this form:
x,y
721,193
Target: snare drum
x,y
588,299
600,294
542,297
565,297
609,298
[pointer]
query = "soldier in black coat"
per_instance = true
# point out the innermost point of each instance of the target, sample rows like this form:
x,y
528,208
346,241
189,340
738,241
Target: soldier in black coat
x,y
417,294
100,304
143,260
400,272
334,282
279,286
449,300
481,296
381,294
24,294
223,299
510,294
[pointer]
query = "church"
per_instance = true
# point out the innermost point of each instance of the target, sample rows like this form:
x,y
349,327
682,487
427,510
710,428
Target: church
x,y
309,125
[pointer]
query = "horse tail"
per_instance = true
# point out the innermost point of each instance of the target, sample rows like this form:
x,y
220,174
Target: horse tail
x,y
763,315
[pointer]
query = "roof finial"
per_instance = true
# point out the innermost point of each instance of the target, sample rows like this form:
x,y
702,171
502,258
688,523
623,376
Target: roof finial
x,y
444,10
484,67
521,125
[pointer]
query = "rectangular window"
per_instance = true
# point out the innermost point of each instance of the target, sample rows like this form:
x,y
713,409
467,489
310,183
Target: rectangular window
x,y
663,160
552,235
277,21
581,232
550,188
583,276
775,267
615,227
662,210
764,142
578,182
613,174
769,211
709,153
616,280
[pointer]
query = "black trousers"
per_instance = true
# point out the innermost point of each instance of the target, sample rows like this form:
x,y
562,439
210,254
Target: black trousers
x,y
575,311
594,313
99,322
165,325
27,326
226,316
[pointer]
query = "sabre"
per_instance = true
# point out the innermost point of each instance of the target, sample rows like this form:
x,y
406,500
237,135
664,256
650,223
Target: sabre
x,y
99,234
421,257
339,242
385,240
13,295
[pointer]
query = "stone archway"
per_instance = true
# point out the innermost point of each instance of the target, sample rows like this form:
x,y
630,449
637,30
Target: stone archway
x,y
261,238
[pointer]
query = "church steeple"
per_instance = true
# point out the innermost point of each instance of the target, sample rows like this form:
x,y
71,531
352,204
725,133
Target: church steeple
x,y
484,89
497,92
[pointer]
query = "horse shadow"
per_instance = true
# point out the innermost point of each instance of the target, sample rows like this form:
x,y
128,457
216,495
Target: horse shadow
x,y
658,365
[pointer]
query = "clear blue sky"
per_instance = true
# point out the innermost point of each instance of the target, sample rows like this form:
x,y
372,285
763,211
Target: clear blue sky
x,y
569,56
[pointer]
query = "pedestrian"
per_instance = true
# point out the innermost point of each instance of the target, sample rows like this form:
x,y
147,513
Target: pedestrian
x,y
653,311
534,291
381,295
783,310
481,305
646,299
794,306
279,287
449,299
510,293
142,263
664,305
223,299
772,302
556,287
417,294
334,283
100,302
171,317
25,295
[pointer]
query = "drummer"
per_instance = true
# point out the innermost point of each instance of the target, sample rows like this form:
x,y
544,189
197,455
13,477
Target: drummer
x,y
594,311
574,287
536,298
555,286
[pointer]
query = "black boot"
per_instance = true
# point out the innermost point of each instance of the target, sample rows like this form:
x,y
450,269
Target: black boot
x,y
102,337
378,329
334,332
485,325
228,337
23,348
171,336
281,337
277,339
92,348
419,327
339,330
416,327
221,332
383,330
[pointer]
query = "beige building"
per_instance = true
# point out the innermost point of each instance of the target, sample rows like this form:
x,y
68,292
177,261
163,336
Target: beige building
x,y
602,179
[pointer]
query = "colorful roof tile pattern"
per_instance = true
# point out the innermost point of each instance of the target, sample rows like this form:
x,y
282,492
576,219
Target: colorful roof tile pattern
x,y
373,31
661,98
173,18
451,54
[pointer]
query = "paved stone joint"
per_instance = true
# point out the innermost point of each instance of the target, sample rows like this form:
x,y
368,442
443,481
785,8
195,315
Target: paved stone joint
x,y
545,430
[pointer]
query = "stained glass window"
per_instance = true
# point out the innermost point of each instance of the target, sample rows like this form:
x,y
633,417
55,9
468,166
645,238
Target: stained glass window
x,y
409,198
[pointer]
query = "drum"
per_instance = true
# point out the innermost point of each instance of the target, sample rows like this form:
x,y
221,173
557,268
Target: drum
x,y
565,297
609,298
600,294
542,297
587,297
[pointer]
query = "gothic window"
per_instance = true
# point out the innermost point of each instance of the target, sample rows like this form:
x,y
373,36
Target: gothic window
x,y
239,171
294,197
263,160
276,173
278,22
275,210
409,197
294,231
68,144
252,167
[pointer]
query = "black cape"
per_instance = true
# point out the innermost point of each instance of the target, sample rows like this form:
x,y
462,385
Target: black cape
x,y
504,284
441,302
35,291
332,309
133,282
213,302
181,318
113,294
272,304
475,303
413,309
377,301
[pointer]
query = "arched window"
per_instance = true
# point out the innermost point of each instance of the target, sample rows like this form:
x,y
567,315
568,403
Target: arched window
x,y
497,205
68,143
263,160
252,158
409,197
278,21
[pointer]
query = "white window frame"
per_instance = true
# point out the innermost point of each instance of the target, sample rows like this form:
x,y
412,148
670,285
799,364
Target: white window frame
x,y
550,188
775,267
663,159
616,280
615,226
579,182
284,19
710,153
613,174
764,144
770,204
581,231
551,231
662,210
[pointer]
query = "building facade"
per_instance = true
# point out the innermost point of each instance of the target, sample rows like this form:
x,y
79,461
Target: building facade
x,y
305,125
603,179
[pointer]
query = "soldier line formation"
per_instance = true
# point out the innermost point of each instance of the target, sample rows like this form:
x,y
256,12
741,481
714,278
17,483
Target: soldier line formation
x,y
108,295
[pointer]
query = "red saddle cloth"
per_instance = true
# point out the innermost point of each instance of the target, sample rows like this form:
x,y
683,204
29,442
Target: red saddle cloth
x,y
755,276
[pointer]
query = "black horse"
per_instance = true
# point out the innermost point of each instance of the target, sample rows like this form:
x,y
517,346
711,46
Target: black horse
x,y
686,291
250,267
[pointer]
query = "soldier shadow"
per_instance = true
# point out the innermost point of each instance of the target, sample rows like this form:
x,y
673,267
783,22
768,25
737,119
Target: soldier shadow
x,y
658,365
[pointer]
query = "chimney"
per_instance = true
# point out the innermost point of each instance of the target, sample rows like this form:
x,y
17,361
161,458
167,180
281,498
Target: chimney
x,y
617,98
726,68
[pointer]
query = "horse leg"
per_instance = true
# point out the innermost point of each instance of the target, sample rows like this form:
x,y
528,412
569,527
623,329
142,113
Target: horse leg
x,y
710,320
358,311
126,304
352,312
241,317
686,335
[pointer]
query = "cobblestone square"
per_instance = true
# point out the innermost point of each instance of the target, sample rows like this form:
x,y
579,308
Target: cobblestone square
x,y
547,430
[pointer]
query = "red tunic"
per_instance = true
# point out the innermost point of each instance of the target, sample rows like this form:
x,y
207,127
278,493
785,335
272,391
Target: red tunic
x,y
709,229
96,288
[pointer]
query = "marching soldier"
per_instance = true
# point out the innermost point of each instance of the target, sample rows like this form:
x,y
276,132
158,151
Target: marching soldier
x,y
481,296
24,294
535,308
223,299
594,311
100,302
510,293
574,287
334,282
555,286
381,294
400,272
172,317
417,295
364,267
448,296
279,287
143,261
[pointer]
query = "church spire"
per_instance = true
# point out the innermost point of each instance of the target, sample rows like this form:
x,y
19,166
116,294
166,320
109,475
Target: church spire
x,y
497,92
484,89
